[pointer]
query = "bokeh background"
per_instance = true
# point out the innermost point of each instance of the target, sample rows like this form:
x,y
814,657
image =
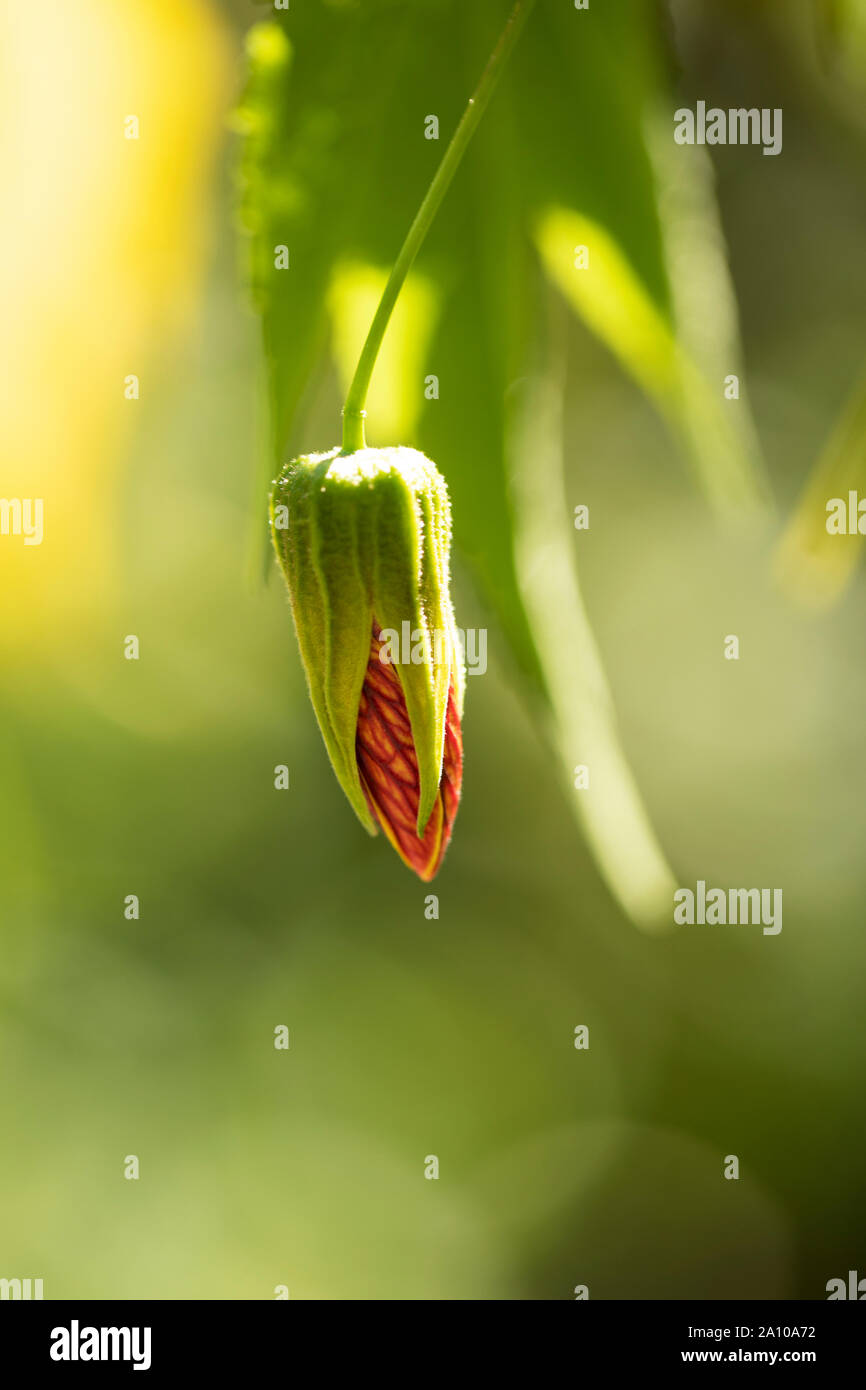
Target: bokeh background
x,y
155,777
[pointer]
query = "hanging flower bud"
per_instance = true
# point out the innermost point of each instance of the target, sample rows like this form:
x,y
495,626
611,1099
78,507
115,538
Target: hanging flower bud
x,y
363,540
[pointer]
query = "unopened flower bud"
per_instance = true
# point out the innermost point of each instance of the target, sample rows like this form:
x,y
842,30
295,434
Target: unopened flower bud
x,y
363,540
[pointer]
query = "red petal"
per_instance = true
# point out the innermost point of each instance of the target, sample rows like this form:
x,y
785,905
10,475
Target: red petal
x,y
389,768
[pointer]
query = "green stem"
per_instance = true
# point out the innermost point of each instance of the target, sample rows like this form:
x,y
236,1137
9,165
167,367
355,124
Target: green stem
x,y
354,413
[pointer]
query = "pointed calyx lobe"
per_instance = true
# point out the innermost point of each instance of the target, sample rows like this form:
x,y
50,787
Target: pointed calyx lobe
x,y
363,540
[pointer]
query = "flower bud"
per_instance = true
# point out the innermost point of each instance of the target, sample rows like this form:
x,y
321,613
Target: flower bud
x,y
363,540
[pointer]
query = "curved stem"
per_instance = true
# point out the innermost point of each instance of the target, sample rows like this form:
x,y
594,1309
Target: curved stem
x,y
353,411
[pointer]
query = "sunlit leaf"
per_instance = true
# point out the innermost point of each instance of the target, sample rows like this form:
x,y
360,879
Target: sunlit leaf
x,y
609,809
587,265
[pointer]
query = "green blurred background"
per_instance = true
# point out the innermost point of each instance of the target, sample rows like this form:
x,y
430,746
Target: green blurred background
x,y
410,1036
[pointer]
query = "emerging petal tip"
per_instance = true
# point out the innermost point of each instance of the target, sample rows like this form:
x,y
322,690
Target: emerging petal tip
x,y
388,767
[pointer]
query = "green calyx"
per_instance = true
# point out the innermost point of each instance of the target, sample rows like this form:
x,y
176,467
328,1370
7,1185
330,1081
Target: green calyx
x,y
364,537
